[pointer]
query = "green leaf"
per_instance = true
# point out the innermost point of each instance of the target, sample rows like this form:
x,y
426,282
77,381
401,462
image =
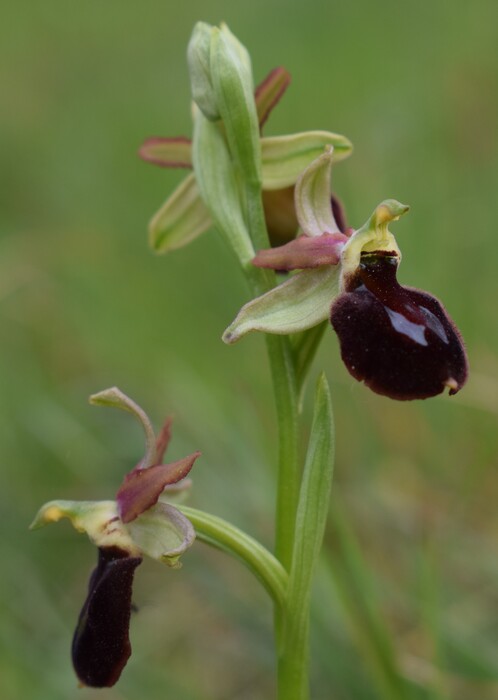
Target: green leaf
x,y
314,498
285,157
301,302
182,218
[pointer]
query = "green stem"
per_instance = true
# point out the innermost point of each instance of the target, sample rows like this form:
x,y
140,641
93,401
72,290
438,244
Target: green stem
x,y
292,651
286,401
285,390
224,536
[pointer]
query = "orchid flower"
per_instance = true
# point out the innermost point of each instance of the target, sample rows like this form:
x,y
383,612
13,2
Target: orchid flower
x,y
140,521
398,340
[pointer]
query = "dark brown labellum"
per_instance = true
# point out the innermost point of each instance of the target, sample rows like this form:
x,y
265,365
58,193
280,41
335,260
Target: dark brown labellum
x,y
101,645
398,340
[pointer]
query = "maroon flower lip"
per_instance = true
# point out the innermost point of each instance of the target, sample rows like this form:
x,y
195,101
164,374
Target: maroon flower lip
x,y
101,645
398,340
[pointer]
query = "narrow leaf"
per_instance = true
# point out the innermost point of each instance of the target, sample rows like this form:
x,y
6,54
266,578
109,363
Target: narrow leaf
x,y
181,219
302,301
315,490
311,517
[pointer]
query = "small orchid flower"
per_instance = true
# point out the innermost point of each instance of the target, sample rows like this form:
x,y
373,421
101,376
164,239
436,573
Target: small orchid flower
x,y
140,521
398,340
184,216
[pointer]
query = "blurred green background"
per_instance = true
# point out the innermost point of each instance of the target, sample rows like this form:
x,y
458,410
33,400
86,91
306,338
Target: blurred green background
x,y
85,305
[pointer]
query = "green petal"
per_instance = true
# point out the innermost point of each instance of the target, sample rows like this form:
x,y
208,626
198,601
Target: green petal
x,y
99,519
302,301
163,533
312,197
181,219
285,157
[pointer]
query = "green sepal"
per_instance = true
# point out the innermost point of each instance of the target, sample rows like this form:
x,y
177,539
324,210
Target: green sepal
x,y
99,519
115,398
218,186
285,157
181,219
163,533
233,85
303,301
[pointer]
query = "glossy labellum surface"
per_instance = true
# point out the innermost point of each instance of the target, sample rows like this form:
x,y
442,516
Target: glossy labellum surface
x,y
398,340
101,646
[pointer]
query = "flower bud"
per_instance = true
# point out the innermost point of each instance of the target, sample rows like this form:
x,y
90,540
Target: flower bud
x,y
233,87
398,340
199,65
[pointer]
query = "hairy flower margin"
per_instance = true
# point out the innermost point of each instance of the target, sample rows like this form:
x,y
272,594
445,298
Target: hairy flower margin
x,y
139,522
398,340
